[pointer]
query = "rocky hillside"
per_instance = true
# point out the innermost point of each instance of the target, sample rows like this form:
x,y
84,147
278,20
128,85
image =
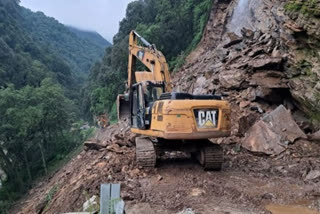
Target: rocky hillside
x,y
261,54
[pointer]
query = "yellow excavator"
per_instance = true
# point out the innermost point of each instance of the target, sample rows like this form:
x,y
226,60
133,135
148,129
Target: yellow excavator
x,y
167,120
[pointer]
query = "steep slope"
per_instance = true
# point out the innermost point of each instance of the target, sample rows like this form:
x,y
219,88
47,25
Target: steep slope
x,y
78,48
23,60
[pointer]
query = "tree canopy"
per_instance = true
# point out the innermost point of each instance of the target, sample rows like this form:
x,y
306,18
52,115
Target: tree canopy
x,y
39,97
80,49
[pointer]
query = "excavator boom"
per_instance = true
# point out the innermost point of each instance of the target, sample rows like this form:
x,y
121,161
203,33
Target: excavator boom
x,y
158,70
151,58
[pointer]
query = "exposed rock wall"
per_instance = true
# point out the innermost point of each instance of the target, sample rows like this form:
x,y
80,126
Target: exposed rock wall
x,y
303,24
252,52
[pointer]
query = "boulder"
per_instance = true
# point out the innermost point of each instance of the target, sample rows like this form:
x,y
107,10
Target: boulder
x,y
271,134
232,39
245,122
91,205
281,122
244,104
200,85
93,144
115,148
267,64
315,136
232,78
313,174
269,79
247,33
260,138
256,52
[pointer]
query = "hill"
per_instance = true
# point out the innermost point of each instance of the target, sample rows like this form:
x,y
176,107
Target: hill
x,y
80,49
92,36
25,61
39,93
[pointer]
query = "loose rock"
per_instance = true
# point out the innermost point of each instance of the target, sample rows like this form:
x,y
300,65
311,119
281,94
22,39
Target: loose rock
x,y
312,175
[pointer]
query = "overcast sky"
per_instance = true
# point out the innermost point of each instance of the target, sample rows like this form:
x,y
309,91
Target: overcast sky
x,y
102,16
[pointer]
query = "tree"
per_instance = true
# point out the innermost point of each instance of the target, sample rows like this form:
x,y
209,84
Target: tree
x,y
32,119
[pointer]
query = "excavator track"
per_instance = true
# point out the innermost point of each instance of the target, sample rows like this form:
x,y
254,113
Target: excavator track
x,y
145,152
211,157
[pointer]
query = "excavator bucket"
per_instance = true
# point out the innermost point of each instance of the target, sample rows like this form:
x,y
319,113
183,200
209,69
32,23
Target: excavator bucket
x,y
123,107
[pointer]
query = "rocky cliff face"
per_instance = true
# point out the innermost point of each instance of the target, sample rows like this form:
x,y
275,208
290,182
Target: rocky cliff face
x,y
303,24
261,54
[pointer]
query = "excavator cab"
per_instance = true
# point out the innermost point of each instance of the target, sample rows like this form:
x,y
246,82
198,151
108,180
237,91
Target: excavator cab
x,y
143,96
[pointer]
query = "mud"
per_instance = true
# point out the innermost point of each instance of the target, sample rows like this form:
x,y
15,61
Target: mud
x,y
290,209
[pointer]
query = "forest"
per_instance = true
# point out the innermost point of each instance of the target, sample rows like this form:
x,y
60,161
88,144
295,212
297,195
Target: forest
x,y
54,77
40,80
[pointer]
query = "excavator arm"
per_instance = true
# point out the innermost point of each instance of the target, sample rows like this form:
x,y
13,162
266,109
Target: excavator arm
x,y
154,61
151,58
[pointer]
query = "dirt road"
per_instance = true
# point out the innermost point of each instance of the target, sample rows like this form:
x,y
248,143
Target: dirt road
x,y
246,184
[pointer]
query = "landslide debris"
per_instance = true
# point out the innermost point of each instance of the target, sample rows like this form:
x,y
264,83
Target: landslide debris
x,y
246,183
254,64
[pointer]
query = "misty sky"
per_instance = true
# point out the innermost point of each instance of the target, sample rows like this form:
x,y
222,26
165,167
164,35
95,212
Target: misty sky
x,y
102,16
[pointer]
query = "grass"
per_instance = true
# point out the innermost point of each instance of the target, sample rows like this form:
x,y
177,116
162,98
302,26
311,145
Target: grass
x,y
308,8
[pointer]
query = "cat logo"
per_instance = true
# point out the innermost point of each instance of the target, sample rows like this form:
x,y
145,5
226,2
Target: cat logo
x,y
207,118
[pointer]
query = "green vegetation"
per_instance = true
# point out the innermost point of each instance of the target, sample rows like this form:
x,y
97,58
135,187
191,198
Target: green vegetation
x,y
306,7
93,37
39,97
80,49
50,195
175,27
305,67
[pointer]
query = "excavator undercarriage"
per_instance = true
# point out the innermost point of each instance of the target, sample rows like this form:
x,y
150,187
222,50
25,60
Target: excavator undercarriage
x,y
148,151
